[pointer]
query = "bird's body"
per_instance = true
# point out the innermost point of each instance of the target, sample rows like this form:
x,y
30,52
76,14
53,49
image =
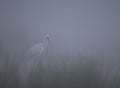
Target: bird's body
x,y
40,48
36,50
35,63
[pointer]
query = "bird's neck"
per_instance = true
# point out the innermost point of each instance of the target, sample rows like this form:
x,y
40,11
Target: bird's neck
x,y
46,43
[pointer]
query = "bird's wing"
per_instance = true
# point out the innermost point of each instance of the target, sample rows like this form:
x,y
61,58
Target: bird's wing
x,y
35,50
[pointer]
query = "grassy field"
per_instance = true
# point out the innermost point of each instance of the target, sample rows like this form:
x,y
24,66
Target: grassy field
x,y
59,71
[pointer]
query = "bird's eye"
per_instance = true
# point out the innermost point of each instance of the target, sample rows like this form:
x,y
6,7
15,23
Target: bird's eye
x,y
47,37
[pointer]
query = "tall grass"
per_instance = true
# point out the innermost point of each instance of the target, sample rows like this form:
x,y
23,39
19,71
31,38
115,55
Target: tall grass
x,y
62,71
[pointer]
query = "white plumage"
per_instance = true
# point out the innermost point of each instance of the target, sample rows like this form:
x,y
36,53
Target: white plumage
x,y
34,63
40,48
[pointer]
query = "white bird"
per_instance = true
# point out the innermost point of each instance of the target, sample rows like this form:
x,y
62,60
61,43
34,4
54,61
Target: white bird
x,y
35,63
40,48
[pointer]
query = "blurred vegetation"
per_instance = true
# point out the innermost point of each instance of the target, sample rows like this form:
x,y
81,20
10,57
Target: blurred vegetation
x,y
63,71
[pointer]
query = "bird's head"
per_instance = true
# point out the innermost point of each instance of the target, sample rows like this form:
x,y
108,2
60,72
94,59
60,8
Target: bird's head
x,y
47,37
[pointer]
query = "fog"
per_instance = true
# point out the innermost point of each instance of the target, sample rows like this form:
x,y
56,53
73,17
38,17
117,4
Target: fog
x,y
82,33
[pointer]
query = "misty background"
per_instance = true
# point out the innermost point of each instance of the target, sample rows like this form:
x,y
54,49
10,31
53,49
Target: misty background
x,y
77,28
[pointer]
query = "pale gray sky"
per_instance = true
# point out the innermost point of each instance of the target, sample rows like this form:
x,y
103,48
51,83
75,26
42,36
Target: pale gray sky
x,y
74,25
